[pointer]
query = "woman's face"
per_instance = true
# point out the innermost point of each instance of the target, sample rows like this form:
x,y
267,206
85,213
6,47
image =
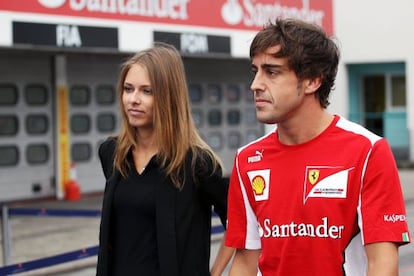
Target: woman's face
x,y
138,98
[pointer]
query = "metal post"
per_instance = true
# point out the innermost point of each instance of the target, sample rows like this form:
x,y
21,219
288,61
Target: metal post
x,y
5,235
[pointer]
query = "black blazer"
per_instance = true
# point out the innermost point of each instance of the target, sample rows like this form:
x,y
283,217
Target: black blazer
x,y
183,217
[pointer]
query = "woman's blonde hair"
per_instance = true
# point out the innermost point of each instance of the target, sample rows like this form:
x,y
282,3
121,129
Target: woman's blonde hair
x,y
175,132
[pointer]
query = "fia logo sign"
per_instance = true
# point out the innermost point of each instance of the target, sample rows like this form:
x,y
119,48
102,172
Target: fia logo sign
x,y
68,36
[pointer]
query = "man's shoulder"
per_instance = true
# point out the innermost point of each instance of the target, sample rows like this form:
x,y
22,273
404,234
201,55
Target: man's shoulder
x,y
259,143
355,129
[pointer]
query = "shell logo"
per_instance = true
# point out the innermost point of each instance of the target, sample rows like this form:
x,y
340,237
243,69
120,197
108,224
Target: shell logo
x,y
52,4
258,185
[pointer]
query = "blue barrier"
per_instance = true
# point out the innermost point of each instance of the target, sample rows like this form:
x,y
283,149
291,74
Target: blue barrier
x,y
65,257
60,213
217,229
49,261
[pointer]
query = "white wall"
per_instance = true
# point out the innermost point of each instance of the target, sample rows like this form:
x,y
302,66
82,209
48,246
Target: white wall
x,y
375,31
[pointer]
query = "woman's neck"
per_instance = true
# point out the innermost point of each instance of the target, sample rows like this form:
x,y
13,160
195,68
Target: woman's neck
x,y
145,149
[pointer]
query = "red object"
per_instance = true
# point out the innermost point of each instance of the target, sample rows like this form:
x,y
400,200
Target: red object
x,y
72,189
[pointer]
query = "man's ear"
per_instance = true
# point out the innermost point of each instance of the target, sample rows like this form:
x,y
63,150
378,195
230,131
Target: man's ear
x,y
311,85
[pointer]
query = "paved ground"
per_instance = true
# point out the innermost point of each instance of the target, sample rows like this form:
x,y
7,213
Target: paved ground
x,y
36,237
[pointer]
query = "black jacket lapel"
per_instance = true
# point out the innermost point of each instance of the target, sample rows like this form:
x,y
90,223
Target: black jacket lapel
x,y
166,230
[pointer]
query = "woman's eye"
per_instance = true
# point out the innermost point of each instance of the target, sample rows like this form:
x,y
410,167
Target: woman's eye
x,y
147,91
128,89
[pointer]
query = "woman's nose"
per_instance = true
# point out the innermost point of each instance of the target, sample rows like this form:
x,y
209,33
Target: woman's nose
x,y
135,96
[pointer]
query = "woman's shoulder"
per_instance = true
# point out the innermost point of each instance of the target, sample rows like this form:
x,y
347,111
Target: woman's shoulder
x,y
106,155
200,154
108,145
205,162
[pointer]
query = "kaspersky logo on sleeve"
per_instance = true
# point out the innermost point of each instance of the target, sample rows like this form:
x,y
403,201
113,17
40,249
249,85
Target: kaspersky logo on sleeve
x,y
259,180
325,182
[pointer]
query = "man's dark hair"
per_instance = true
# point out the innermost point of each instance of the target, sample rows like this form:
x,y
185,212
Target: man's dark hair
x,y
308,49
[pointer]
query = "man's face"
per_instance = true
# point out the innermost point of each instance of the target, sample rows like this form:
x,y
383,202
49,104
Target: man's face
x,y
277,91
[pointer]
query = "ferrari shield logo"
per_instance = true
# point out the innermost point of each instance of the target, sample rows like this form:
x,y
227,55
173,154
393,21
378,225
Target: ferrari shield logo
x,y
325,182
313,176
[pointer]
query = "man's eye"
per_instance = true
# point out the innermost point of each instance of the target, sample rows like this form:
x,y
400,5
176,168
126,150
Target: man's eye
x,y
272,72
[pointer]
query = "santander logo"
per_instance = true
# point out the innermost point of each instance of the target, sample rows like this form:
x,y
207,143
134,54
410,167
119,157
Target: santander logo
x,y
52,4
253,14
171,9
232,12
250,14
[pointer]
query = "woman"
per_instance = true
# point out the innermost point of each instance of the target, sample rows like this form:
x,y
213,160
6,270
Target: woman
x,y
162,178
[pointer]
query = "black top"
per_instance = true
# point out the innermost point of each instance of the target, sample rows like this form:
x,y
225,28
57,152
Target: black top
x,y
182,216
133,211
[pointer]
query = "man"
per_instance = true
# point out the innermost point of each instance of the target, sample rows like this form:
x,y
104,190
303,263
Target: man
x,y
320,195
